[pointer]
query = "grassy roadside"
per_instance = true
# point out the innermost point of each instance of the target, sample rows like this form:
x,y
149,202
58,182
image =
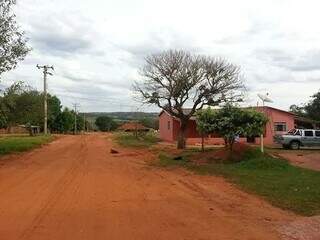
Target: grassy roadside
x,y
142,141
22,143
282,184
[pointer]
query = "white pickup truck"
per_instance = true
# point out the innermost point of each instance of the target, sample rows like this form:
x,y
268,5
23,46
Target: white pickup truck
x,y
297,138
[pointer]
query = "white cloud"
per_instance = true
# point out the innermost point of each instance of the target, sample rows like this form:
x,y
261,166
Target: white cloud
x,y
97,46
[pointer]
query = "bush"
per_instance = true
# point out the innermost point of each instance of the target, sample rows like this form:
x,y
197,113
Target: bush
x,y
142,140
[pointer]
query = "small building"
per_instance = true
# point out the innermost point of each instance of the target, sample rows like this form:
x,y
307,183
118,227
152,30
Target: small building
x,y
133,127
280,122
21,129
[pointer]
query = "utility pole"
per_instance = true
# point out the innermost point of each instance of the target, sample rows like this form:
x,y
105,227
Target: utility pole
x,y
45,73
75,106
84,122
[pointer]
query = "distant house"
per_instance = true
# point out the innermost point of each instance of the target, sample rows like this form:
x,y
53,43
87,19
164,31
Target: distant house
x,y
21,129
279,122
132,127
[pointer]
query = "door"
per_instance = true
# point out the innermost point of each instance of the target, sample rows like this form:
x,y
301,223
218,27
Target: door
x,y
308,139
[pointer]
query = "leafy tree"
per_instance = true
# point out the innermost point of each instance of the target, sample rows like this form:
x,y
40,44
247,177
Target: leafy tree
x,y
174,79
309,110
203,123
13,46
230,122
64,122
20,104
105,123
54,109
13,109
312,108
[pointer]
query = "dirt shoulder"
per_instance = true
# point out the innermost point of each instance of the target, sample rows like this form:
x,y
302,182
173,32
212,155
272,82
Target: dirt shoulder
x,y
73,188
302,158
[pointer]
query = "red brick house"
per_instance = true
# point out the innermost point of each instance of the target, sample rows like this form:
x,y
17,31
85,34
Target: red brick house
x,y
279,122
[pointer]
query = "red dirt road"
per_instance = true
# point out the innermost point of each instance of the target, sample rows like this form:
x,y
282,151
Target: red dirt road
x,y
303,158
74,188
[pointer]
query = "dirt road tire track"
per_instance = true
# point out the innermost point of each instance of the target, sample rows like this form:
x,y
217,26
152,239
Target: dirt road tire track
x,y
74,188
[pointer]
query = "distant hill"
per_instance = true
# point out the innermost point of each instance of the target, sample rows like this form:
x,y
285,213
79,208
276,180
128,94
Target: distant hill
x,y
122,116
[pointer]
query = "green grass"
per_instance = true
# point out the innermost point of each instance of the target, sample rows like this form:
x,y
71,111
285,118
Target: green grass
x,y
285,186
22,143
142,141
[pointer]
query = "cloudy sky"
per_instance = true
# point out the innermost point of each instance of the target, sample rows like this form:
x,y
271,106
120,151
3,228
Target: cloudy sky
x,y
98,46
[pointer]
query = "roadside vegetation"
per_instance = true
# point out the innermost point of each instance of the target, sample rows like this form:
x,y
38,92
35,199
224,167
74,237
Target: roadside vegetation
x,y
143,140
285,186
106,123
22,143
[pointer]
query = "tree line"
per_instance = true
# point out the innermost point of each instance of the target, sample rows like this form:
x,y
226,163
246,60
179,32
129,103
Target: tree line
x,y
310,109
107,123
20,104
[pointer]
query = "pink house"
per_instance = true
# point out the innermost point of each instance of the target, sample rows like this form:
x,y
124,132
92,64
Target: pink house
x,y
279,122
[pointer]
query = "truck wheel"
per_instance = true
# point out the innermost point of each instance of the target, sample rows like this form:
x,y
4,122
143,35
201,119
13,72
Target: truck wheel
x,y
285,146
294,145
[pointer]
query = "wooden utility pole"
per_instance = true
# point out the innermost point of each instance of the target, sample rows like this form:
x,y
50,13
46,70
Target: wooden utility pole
x,y
75,106
84,122
45,104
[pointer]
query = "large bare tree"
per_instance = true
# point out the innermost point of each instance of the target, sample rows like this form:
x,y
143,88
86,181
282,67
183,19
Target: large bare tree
x,y
174,79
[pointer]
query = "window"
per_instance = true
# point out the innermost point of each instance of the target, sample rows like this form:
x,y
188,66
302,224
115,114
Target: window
x,y
298,133
317,133
308,133
280,126
169,125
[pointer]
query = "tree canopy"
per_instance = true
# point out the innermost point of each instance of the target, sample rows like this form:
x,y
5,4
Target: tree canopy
x,y
230,122
174,79
309,110
20,104
105,123
13,47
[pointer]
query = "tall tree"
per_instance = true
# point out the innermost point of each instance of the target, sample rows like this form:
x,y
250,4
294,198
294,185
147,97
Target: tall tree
x,y
20,104
13,46
174,79
64,122
54,110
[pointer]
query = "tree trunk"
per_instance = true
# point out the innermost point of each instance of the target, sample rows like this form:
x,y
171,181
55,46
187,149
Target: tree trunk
x,y
202,142
225,142
181,144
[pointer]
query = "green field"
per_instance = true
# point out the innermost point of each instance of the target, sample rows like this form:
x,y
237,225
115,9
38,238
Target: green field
x,y
282,184
142,141
17,144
